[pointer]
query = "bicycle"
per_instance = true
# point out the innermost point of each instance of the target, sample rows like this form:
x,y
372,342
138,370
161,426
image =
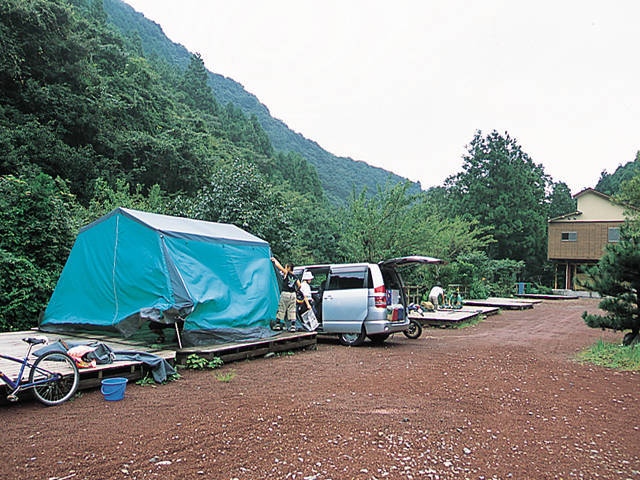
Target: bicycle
x,y
53,376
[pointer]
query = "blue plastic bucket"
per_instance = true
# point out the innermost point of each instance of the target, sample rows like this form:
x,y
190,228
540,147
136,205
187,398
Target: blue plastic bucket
x,y
113,388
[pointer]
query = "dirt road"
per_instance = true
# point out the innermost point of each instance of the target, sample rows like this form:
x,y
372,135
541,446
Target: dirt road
x,y
502,399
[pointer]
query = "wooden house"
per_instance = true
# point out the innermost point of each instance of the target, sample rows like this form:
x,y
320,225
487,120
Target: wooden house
x,y
578,239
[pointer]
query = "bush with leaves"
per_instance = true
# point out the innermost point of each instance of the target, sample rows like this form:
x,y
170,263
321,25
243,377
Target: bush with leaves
x,y
24,291
481,276
36,235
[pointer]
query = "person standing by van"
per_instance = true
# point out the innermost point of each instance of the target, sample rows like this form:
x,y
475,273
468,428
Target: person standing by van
x,y
287,302
305,301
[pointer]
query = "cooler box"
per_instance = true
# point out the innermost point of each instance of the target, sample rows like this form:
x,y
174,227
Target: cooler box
x,y
395,313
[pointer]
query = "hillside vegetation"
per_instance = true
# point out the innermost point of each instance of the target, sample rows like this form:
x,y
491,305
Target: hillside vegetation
x,y
338,175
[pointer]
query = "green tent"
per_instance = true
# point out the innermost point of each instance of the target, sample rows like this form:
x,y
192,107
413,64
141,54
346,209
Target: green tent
x,y
130,267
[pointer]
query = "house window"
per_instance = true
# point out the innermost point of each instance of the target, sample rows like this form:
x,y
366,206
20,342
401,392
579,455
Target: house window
x,y
569,236
614,234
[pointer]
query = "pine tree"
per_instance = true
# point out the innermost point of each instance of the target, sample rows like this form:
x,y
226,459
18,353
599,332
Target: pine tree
x,y
617,278
195,85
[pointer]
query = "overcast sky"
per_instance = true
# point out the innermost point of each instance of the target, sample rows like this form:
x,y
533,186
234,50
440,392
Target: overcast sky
x,y
404,84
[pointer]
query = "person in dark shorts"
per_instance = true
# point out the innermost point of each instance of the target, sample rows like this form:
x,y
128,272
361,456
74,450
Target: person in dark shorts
x,y
287,303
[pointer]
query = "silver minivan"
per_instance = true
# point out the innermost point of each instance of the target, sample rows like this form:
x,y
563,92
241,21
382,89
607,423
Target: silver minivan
x,y
360,300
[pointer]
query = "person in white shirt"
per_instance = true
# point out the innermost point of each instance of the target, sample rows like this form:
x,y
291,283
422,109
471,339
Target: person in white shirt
x,y
306,307
305,289
436,296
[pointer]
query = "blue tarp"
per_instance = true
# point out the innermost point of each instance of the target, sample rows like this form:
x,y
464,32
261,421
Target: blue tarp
x,y
129,267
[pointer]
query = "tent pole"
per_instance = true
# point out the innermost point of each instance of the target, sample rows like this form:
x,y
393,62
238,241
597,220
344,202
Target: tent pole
x,y
175,324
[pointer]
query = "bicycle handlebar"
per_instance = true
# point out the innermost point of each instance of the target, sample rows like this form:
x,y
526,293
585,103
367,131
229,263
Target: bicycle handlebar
x,y
35,340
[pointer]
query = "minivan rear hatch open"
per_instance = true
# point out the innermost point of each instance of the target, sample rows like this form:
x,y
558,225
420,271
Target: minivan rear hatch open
x,y
397,262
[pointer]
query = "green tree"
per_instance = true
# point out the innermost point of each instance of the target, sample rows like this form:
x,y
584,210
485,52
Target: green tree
x,y
258,138
301,175
610,183
379,227
617,278
482,276
396,222
198,92
317,230
35,219
107,198
502,188
80,102
238,193
24,292
629,195
560,201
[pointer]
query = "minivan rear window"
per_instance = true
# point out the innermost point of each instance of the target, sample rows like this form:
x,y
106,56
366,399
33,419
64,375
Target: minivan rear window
x,y
391,278
347,279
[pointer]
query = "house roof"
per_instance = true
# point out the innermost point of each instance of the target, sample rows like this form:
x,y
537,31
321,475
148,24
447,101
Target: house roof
x,y
594,191
566,215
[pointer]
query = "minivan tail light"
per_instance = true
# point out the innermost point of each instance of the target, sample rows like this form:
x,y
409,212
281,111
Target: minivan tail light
x,y
380,296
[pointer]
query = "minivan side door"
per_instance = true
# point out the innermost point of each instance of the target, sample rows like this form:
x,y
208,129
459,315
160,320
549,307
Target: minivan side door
x,y
345,299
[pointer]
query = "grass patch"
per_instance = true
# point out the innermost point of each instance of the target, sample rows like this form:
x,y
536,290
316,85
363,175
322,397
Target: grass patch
x,y
148,380
612,355
471,322
226,377
288,353
196,362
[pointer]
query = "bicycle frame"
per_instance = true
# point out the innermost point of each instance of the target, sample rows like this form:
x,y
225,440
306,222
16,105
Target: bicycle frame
x,y
17,384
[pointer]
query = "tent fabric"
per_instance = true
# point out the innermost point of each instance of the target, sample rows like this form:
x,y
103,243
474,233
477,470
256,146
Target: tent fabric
x,y
130,267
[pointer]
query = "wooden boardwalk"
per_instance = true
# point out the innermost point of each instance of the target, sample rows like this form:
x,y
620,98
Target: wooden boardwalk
x,y
11,344
547,296
234,351
504,303
451,317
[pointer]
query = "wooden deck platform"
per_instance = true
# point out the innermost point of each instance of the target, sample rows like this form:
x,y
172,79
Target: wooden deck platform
x,y
231,352
504,303
447,317
547,296
11,344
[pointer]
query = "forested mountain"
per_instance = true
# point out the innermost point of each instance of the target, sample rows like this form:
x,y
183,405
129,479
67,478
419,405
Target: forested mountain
x,y
338,175
609,183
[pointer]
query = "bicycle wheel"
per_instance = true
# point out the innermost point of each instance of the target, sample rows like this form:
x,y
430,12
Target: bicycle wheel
x,y
62,374
414,330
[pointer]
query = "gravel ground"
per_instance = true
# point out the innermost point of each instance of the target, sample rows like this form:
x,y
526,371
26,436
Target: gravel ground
x,y
501,399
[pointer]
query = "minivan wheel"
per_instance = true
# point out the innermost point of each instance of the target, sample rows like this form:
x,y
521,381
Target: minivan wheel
x,y
352,339
379,338
414,330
